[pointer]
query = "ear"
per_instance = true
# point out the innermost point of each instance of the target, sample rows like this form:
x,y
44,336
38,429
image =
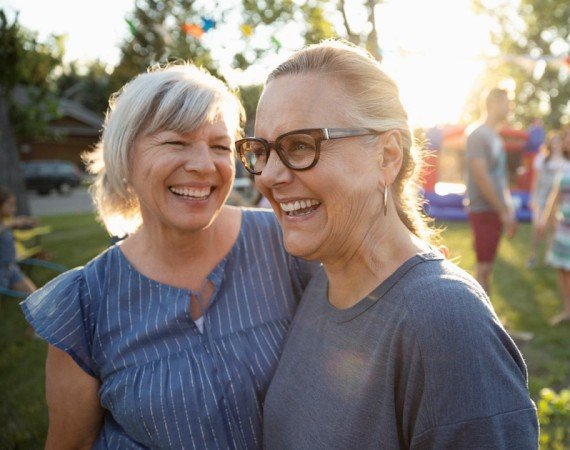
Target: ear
x,y
391,155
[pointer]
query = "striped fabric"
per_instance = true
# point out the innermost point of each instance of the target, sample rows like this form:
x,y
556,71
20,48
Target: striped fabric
x,y
165,384
558,255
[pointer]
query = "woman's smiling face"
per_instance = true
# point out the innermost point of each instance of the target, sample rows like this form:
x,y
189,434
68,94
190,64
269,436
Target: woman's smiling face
x,y
183,180
325,212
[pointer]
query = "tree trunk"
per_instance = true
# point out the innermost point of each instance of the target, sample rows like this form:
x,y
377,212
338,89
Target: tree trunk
x,y
11,174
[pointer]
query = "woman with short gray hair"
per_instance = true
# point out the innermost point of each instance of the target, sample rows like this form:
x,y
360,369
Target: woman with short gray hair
x,y
168,340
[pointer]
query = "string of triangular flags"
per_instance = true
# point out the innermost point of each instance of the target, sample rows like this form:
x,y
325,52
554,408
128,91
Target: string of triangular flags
x,y
205,24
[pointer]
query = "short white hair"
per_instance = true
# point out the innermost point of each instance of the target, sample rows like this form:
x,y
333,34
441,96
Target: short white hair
x,y
176,97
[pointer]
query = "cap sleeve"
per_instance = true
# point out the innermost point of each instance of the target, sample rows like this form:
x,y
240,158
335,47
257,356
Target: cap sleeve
x,y
60,313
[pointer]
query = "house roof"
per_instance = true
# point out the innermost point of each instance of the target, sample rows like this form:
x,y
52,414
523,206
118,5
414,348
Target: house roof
x,y
79,112
89,122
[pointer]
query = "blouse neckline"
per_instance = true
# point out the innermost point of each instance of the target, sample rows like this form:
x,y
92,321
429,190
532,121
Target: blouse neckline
x,y
216,276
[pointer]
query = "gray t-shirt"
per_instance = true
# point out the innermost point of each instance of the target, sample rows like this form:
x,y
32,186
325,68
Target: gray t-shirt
x,y
484,142
421,363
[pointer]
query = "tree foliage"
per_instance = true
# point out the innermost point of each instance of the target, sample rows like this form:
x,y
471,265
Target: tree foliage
x,y
539,31
157,35
88,84
30,66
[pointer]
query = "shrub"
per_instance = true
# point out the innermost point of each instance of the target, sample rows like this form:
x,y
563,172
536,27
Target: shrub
x,y
554,417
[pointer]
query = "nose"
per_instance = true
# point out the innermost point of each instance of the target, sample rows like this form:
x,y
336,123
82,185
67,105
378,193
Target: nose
x,y
199,158
274,172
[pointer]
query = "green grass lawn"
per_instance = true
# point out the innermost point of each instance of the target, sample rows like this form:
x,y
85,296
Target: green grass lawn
x,y
523,299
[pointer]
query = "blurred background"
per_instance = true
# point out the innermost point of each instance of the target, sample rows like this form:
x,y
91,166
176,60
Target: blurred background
x,y
60,61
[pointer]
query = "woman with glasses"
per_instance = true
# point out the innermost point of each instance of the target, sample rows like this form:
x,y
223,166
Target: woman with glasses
x,y
170,339
392,346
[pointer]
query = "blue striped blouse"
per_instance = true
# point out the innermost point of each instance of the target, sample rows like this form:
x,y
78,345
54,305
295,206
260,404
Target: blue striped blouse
x,y
163,383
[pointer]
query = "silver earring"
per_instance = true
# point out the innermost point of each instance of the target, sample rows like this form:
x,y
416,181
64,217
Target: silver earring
x,y
385,200
124,180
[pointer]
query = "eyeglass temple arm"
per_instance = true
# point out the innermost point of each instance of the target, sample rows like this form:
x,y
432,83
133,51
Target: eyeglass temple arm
x,y
332,133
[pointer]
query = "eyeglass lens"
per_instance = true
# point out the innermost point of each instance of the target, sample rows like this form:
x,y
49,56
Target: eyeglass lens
x,y
299,151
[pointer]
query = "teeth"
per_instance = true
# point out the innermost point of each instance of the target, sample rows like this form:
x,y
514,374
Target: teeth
x,y
192,192
298,204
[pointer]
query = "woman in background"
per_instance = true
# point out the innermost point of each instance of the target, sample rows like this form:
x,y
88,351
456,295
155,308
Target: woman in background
x,y
547,164
558,208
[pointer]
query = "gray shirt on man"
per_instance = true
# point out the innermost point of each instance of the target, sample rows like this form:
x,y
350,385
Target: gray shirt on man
x,y
484,142
422,362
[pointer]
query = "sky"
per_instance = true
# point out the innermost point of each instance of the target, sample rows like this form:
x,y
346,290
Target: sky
x,y
433,49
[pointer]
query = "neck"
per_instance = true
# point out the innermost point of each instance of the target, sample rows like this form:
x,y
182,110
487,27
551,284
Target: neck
x,y
492,121
178,257
385,248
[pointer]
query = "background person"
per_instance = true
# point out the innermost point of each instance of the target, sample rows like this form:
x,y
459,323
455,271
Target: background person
x,y
11,276
170,339
488,195
392,346
547,164
558,255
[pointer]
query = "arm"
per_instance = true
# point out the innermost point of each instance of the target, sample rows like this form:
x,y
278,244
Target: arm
x,y
75,414
550,207
483,181
17,222
24,222
536,167
473,379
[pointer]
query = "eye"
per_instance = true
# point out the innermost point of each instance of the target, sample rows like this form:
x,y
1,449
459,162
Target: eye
x,y
298,144
299,147
224,148
174,143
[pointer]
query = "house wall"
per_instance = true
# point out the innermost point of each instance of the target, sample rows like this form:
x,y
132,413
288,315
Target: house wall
x,y
71,139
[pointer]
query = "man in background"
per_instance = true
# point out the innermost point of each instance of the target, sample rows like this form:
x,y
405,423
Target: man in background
x,y
490,206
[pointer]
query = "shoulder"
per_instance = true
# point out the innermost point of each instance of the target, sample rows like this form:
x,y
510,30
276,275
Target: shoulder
x,y
260,220
443,299
453,322
478,137
74,282
66,284
470,366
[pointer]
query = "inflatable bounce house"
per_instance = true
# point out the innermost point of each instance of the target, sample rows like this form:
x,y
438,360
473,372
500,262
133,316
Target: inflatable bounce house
x,y
444,178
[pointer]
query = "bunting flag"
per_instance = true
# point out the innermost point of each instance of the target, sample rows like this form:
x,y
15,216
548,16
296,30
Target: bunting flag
x,y
246,30
276,43
132,27
192,29
207,24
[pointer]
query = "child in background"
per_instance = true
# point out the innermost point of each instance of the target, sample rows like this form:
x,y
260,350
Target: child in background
x,y
558,255
547,164
11,276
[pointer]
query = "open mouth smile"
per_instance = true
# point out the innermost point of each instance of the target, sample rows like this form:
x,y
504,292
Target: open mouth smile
x,y
299,207
192,193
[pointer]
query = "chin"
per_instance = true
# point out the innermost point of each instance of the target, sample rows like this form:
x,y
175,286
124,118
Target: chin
x,y
297,247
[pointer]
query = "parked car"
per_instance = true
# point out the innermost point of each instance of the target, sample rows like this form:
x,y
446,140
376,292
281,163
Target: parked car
x,y
44,176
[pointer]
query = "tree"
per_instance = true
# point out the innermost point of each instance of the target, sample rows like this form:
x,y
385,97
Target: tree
x,y
354,21
534,40
162,31
88,84
27,64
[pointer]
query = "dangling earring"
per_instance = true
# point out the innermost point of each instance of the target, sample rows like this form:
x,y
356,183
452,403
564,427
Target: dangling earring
x,y
385,200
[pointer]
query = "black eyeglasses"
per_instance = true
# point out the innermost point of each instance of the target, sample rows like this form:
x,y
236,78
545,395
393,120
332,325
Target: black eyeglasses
x,y
298,150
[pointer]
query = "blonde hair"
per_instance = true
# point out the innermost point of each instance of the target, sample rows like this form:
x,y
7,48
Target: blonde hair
x,y
176,97
372,101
